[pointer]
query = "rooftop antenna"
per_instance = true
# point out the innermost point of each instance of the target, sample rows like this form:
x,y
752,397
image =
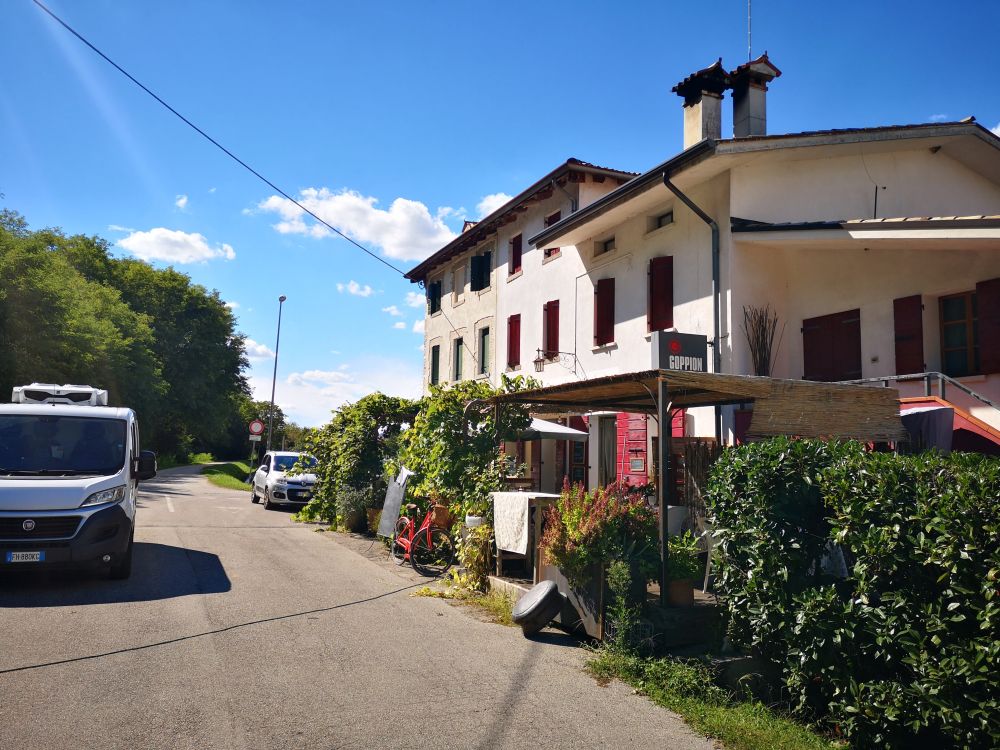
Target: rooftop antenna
x,y
749,44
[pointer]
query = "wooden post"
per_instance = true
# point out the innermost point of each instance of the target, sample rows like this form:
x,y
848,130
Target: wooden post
x,y
663,476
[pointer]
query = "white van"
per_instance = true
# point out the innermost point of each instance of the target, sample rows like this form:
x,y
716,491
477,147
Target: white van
x,y
69,472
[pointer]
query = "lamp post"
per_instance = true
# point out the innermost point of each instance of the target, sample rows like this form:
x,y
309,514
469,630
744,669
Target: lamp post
x,y
274,377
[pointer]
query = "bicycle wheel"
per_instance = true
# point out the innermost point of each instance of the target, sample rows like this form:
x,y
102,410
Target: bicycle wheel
x,y
396,549
433,552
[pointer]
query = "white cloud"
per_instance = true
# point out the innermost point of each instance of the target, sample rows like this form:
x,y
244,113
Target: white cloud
x,y
233,305
406,231
174,246
309,397
181,202
415,299
399,325
937,118
119,228
491,203
418,326
393,311
358,290
996,130
211,190
258,351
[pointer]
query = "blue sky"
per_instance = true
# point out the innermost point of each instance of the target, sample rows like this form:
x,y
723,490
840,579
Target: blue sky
x,y
398,120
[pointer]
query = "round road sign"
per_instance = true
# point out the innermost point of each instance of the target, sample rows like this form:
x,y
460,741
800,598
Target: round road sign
x,y
256,427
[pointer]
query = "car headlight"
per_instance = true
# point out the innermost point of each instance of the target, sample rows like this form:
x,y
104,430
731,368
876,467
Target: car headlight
x,y
282,482
112,495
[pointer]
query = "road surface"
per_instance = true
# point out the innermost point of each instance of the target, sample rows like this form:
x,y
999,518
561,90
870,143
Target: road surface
x,y
241,629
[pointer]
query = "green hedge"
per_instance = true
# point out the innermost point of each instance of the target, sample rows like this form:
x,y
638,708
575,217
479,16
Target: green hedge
x,y
904,651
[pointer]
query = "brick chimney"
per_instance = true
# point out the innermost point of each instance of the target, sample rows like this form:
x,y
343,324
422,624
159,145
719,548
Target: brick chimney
x,y
749,83
702,93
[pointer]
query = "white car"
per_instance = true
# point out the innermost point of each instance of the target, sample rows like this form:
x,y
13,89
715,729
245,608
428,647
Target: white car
x,y
272,482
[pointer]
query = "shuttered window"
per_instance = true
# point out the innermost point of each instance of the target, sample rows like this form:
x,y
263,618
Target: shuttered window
x,y
435,364
457,360
908,327
660,295
604,312
480,266
550,328
433,297
988,303
831,347
515,255
959,334
484,351
514,341
549,221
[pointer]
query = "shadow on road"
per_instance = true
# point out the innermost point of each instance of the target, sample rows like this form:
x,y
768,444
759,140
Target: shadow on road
x,y
159,571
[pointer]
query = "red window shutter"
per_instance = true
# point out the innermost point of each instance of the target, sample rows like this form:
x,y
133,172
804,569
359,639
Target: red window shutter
x,y
907,317
660,300
515,254
831,347
550,327
604,312
513,341
988,313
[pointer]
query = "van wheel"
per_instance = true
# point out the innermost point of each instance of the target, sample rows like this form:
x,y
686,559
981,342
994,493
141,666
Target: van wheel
x,y
123,568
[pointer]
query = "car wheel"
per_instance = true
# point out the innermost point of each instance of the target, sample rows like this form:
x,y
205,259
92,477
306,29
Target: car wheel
x,y
123,568
268,505
254,497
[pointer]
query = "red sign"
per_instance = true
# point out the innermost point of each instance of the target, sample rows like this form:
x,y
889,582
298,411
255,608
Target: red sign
x,y
256,427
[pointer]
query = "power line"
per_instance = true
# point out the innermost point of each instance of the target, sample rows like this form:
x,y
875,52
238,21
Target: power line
x,y
211,140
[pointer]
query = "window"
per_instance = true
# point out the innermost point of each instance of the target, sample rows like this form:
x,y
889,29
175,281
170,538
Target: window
x,y
660,296
515,255
604,312
605,246
435,364
433,297
484,351
458,284
514,341
550,329
481,266
549,221
662,220
959,334
831,347
457,359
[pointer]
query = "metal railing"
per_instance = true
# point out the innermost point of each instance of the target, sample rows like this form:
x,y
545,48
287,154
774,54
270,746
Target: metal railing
x,y
929,379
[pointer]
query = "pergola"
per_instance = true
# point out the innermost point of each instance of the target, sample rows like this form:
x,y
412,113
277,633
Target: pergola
x,y
796,408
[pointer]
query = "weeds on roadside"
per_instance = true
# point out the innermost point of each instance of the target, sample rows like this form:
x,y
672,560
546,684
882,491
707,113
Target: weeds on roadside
x,y
498,605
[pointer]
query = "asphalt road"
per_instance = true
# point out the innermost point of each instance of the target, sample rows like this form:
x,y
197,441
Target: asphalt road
x,y
240,629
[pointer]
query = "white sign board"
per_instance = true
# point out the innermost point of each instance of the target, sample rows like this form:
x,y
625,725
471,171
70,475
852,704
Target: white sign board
x,y
255,438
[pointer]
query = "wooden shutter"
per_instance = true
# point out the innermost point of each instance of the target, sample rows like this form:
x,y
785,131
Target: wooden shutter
x,y
550,327
513,341
831,347
476,272
433,297
515,254
988,335
660,296
908,324
604,312
435,364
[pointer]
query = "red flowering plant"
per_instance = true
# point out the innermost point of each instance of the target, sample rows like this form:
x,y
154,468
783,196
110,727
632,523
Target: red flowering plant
x,y
584,529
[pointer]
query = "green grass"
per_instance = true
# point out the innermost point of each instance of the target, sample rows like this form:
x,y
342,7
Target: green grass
x,y
687,689
497,605
231,476
167,461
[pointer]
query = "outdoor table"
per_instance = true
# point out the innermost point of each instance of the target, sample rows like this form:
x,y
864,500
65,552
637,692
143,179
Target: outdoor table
x,y
514,531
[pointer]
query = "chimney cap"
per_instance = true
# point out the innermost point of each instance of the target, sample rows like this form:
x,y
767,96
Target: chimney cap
x,y
761,70
714,79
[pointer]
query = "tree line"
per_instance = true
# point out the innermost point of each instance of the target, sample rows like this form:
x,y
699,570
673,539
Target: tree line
x,y
70,312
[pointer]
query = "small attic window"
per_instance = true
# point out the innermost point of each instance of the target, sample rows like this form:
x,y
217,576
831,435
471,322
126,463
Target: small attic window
x,y
604,246
658,222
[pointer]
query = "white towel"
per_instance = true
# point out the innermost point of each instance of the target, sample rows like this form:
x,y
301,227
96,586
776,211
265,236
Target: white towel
x,y
510,521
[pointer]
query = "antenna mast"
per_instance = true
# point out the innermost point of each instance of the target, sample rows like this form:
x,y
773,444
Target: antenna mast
x,y
749,44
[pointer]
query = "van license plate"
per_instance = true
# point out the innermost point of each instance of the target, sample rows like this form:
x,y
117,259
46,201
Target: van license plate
x,y
16,557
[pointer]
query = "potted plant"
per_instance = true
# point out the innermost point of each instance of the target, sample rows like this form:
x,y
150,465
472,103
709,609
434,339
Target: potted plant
x,y
683,568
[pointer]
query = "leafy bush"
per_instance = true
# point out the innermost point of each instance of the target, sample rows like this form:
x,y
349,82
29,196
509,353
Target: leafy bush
x,y
904,651
682,558
587,529
475,554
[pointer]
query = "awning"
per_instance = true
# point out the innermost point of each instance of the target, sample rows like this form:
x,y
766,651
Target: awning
x,y
541,429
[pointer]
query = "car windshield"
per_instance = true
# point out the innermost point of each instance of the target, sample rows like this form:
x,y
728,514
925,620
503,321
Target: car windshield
x,y
284,463
36,444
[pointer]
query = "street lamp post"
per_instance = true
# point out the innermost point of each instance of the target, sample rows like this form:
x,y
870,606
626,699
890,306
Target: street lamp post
x,y
274,377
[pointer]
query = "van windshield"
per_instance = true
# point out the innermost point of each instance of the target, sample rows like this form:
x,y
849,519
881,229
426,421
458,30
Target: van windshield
x,y
40,445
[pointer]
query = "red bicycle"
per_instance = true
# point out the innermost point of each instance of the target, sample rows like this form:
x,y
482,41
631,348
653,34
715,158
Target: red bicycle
x,y
429,549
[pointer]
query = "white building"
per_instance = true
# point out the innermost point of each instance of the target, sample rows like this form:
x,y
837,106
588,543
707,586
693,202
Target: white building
x,y
877,248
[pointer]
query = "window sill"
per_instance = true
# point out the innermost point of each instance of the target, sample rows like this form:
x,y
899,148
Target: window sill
x,y
513,368
656,230
457,302
551,258
434,314
516,275
649,336
484,290
608,347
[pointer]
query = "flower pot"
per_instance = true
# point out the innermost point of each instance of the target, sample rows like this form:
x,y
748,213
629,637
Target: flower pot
x,y
680,593
473,521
